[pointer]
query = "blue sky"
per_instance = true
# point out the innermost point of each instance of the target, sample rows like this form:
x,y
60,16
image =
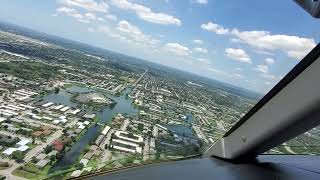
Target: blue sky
x,y
251,44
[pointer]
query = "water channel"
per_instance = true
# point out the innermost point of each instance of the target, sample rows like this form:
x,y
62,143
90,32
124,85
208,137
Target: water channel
x,y
124,106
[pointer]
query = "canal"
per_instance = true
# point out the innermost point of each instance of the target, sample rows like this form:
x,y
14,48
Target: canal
x,y
123,105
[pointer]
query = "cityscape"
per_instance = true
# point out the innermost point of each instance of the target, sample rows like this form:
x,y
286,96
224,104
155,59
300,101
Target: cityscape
x,y
69,109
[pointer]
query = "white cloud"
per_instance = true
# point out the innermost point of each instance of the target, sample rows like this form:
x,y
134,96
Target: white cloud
x,y
201,50
66,10
106,30
201,1
216,28
89,5
197,41
86,18
216,71
204,60
263,41
90,16
267,83
268,76
237,76
130,34
134,33
269,60
262,68
250,81
259,51
103,29
237,54
111,17
178,49
100,19
239,69
234,40
125,26
146,13
295,47
91,29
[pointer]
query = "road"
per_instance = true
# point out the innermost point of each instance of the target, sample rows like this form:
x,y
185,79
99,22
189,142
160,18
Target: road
x,y
288,148
7,172
140,78
106,139
106,156
35,151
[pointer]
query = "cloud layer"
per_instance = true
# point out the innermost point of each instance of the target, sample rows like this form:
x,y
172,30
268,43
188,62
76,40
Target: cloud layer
x,y
293,46
264,41
89,5
178,49
146,13
238,55
216,28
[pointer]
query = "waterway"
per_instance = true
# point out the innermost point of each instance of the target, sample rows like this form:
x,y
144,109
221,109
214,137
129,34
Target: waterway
x,y
124,106
190,119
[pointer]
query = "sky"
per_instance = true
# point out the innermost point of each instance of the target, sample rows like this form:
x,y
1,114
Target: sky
x,y
250,44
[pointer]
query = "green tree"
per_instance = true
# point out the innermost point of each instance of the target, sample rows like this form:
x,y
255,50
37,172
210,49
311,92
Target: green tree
x,y
130,135
79,166
34,111
18,156
113,136
34,159
59,155
56,90
140,126
141,144
52,158
48,149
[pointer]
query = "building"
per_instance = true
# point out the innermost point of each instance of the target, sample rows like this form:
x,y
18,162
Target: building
x,y
42,163
58,107
105,130
48,104
127,142
2,119
75,111
126,136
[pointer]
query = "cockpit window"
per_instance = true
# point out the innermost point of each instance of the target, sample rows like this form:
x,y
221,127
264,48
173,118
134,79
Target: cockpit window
x,y
95,85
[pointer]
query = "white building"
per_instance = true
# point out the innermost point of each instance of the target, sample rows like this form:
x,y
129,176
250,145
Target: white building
x,y
9,151
47,104
124,136
105,130
23,142
75,111
127,144
65,109
58,107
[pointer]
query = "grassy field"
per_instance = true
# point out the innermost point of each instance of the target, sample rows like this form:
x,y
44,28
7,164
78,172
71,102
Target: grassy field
x,y
31,171
29,70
